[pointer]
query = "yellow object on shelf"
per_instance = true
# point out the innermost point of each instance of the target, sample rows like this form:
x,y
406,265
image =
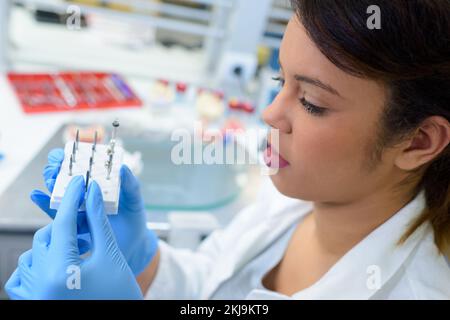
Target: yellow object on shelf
x,y
99,3
263,55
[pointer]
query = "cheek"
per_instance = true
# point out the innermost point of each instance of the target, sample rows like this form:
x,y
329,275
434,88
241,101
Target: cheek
x,y
325,154
326,143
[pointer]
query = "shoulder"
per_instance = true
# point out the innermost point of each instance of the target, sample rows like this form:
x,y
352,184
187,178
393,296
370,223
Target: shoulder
x,y
428,271
426,274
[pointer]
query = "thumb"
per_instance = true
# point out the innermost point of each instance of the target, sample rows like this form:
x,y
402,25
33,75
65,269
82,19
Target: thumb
x,y
64,230
42,200
103,240
12,286
130,191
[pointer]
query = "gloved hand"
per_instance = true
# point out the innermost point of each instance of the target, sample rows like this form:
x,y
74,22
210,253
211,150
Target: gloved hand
x,y
138,244
54,269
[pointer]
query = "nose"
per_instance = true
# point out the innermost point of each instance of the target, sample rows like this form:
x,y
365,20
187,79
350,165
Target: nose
x,y
275,115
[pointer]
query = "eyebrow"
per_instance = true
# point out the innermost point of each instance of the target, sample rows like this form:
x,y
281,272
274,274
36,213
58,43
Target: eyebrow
x,y
317,83
314,82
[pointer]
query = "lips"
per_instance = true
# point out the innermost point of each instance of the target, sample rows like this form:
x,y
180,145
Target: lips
x,y
273,159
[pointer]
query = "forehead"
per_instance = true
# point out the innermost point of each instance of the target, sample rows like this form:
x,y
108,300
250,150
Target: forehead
x,y
298,52
300,55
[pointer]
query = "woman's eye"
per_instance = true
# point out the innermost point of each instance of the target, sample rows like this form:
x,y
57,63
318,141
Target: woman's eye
x,y
311,108
280,81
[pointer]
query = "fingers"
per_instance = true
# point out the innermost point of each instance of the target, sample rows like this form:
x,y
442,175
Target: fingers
x,y
51,171
83,246
14,280
130,191
12,286
42,238
50,184
42,200
102,235
23,268
56,156
40,241
64,230
25,260
82,223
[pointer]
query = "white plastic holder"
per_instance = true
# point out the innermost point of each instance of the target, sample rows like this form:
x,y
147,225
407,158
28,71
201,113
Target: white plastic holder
x,y
110,187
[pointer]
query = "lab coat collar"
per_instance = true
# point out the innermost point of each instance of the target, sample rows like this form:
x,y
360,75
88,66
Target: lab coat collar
x,y
367,267
351,277
280,213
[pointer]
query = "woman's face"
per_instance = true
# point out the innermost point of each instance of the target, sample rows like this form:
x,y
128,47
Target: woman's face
x,y
328,126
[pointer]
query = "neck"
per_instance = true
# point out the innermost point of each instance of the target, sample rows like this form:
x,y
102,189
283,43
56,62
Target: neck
x,y
340,226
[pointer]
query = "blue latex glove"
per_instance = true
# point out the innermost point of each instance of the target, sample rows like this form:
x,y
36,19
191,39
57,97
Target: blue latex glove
x,y
54,268
137,243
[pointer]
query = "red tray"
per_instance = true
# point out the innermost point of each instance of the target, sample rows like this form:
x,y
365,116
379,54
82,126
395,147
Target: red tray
x,y
72,91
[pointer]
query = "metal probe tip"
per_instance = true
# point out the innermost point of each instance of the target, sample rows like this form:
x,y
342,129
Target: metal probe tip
x,y
92,153
77,139
70,165
94,146
74,150
90,165
87,180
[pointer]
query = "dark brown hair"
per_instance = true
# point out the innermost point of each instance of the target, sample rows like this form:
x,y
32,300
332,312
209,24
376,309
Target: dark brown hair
x,y
410,54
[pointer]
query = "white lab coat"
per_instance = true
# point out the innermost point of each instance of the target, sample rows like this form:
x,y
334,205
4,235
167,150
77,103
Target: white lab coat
x,y
376,268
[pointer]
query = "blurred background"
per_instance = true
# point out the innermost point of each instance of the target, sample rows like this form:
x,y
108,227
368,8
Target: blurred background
x,y
157,66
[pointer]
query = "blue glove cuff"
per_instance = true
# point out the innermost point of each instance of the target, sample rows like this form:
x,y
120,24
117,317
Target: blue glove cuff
x,y
145,254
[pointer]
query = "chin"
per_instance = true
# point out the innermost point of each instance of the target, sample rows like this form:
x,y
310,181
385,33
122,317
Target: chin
x,y
289,189
284,186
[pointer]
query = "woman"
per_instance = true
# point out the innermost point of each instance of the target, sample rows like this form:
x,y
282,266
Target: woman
x,y
360,205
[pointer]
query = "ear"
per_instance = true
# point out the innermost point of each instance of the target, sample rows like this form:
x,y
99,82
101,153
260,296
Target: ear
x,y
426,144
